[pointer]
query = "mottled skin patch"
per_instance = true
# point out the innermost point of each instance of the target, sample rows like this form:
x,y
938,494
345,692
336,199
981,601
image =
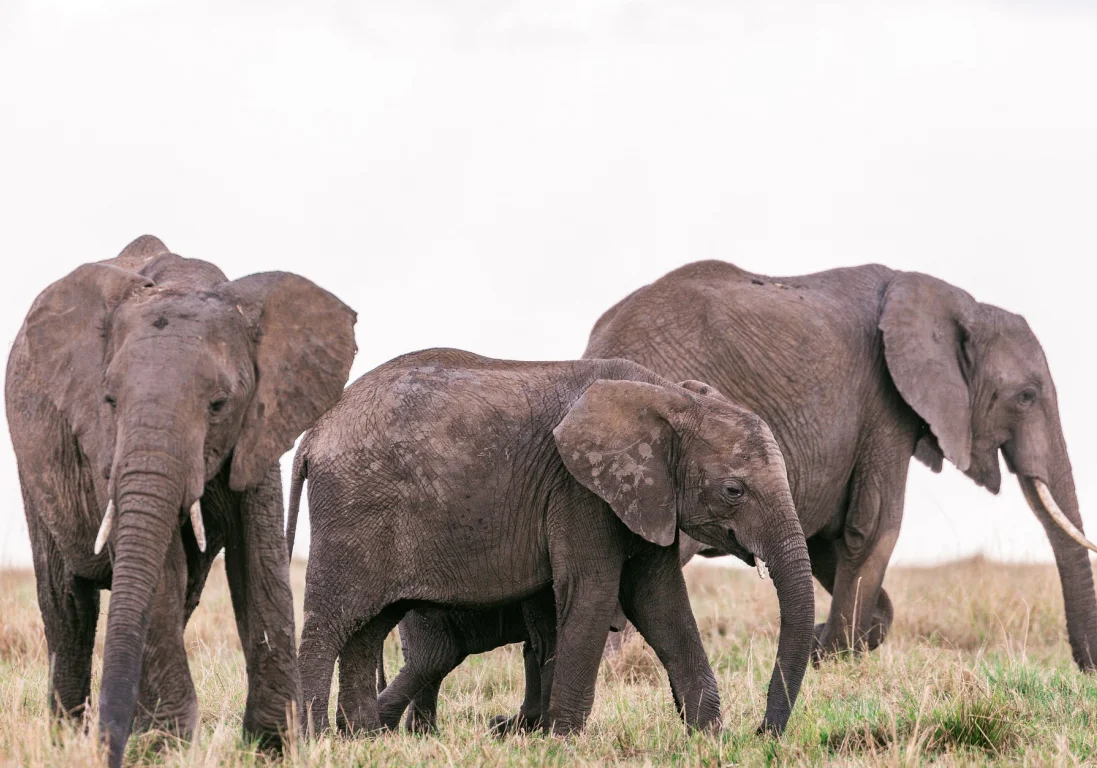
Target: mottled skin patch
x,y
449,480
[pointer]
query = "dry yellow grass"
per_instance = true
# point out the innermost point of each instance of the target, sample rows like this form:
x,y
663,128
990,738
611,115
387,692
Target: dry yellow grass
x,y
977,670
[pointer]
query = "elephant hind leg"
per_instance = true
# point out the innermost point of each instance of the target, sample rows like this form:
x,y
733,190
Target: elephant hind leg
x,y
824,566
357,710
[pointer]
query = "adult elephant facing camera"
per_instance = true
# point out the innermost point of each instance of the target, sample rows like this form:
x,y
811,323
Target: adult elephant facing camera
x,y
149,400
444,479
856,370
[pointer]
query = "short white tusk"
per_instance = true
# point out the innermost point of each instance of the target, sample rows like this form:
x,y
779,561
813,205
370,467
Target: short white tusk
x,y
763,571
197,525
1057,515
105,528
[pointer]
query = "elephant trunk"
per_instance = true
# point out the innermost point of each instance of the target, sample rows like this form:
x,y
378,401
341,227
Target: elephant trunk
x,y
150,483
790,568
1071,557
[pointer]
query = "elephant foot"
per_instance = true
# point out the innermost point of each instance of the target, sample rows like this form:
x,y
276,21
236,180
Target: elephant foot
x,y
501,725
823,649
165,727
420,726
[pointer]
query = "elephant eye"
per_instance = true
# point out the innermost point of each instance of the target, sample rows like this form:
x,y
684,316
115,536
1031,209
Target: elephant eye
x,y
1026,397
734,491
218,405
110,401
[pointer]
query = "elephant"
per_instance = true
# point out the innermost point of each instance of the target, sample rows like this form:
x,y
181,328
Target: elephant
x,y
445,479
149,400
856,370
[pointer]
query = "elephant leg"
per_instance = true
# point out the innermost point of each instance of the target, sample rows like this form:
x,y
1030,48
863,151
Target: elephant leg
x,y
422,714
540,617
70,609
328,625
653,594
166,700
357,710
430,653
586,600
538,657
824,564
858,616
257,566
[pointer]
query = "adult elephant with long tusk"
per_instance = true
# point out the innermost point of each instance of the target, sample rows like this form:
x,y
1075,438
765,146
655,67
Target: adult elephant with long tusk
x,y
856,370
149,400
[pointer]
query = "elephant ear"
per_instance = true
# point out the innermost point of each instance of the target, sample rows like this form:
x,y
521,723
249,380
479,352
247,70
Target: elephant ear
x,y
65,332
617,442
304,349
926,322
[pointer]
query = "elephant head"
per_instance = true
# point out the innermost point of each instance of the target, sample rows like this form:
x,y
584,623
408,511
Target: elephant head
x,y
683,457
978,377
165,372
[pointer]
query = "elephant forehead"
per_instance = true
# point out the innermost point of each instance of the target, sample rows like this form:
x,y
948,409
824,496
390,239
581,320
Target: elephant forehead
x,y
161,309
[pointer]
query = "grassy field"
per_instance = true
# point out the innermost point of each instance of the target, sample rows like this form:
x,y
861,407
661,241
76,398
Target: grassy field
x,y
977,670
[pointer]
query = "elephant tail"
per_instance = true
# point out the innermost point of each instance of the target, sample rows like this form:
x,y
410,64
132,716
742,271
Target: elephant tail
x,y
297,485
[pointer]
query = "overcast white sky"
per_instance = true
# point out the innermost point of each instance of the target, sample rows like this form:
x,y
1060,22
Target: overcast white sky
x,y
493,175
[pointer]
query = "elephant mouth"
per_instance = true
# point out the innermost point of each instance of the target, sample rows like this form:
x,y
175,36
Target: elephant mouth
x,y
733,548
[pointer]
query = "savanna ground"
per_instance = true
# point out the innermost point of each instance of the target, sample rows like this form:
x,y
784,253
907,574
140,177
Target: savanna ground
x,y
977,670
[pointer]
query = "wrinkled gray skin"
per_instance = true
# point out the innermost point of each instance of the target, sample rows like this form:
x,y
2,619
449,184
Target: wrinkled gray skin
x,y
152,380
445,479
855,371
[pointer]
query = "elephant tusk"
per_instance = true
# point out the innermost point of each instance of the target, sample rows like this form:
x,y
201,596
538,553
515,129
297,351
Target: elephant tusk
x,y
105,528
197,525
1057,515
763,571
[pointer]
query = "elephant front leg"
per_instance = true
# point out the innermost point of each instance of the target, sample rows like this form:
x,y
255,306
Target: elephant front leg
x,y
653,594
70,609
257,566
166,700
585,608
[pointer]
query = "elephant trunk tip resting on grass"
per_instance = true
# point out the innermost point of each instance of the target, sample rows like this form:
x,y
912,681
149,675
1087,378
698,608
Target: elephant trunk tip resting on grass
x,y
149,399
444,479
856,370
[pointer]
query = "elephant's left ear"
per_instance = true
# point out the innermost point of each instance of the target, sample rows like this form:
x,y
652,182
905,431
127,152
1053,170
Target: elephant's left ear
x,y
617,442
927,345
303,355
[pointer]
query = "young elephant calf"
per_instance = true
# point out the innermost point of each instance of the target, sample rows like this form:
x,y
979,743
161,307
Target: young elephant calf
x,y
434,643
446,479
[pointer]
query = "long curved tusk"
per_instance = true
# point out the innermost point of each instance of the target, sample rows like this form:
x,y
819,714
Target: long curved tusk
x,y
105,528
197,525
763,571
1057,515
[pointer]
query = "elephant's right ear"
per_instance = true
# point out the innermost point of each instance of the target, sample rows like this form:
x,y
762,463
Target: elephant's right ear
x,y
616,441
925,324
66,339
